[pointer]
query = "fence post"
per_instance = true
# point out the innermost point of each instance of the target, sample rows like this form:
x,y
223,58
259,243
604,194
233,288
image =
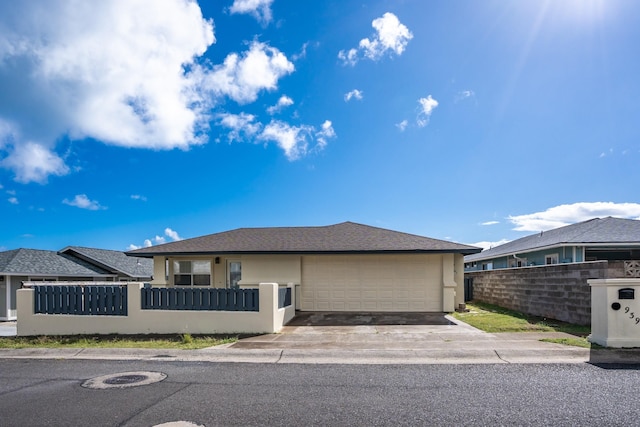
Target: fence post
x,y
25,307
268,303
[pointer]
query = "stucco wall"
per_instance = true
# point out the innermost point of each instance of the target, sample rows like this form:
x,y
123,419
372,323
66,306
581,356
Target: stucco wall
x,y
555,291
615,321
270,268
269,319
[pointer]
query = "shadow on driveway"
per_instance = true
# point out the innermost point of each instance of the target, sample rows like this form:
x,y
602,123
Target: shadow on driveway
x,y
331,318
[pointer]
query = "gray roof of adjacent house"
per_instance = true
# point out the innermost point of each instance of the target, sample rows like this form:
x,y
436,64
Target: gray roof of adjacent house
x,y
346,237
594,232
35,262
116,262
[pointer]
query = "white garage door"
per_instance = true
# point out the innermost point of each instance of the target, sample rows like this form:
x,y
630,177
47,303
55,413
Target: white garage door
x,y
371,283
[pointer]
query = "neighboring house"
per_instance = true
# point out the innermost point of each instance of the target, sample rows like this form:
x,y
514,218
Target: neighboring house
x,y
117,263
342,267
610,239
70,264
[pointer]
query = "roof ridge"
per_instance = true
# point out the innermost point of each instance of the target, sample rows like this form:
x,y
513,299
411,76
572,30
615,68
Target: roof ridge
x,y
90,248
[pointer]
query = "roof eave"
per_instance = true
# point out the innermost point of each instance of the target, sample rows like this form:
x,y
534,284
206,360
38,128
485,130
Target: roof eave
x,y
308,252
554,246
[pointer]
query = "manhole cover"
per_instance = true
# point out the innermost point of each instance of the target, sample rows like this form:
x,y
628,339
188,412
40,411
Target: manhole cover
x,y
124,380
179,424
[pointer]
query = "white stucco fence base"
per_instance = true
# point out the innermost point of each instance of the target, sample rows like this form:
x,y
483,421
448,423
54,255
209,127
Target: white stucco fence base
x,y
615,312
269,319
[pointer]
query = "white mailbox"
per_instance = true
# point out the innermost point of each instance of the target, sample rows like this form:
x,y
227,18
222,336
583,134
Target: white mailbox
x,y
615,312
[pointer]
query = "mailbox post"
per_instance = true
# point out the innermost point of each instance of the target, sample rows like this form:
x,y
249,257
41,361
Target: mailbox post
x,y
615,312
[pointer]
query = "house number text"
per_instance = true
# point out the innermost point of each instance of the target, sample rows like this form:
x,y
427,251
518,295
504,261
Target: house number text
x,y
632,315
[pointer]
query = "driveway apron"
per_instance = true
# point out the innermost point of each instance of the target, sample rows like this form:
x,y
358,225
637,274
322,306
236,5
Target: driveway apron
x,y
366,331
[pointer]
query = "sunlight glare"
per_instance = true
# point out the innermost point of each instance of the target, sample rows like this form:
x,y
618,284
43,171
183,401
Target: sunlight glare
x,y
582,11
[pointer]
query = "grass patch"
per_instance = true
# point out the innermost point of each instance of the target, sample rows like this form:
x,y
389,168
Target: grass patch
x,y
180,342
576,342
493,318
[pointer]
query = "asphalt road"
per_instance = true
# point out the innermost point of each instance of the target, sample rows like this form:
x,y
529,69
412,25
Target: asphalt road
x,y
49,393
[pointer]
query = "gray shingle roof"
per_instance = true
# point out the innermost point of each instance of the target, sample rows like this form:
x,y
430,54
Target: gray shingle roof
x,y
46,263
114,261
596,231
339,238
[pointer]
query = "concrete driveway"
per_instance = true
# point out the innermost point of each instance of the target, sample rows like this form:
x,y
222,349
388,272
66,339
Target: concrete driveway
x,y
366,331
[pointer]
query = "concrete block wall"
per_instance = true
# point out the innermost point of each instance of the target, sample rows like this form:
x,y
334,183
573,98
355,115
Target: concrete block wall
x,y
558,291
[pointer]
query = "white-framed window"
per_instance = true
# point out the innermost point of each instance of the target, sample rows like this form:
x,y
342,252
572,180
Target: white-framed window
x,y
487,266
551,259
192,273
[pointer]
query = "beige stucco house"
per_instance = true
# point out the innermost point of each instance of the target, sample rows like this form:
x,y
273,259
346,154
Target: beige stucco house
x,y
341,267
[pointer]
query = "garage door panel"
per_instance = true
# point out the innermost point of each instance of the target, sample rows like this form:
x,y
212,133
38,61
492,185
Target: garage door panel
x,y
386,294
322,294
402,305
338,294
370,294
370,283
385,306
418,306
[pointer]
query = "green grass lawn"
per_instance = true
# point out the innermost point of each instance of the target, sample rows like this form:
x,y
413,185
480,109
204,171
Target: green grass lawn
x,y
492,318
182,342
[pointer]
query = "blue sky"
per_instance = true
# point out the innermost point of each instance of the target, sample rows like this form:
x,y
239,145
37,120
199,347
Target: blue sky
x,y
125,124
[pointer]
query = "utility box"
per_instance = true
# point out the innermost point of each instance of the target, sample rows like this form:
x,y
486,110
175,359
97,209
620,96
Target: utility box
x,y
615,312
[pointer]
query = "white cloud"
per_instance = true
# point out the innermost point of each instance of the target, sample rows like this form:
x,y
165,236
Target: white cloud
x,y
349,57
302,53
490,223
427,105
295,140
138,197
283,102
242,77
241,125
260,9
325,133
157,240
559,216
488,245
402,125
357,94
173,235
33,162
605,154
391,36
13,200
291,139
83,202
122,72
464,94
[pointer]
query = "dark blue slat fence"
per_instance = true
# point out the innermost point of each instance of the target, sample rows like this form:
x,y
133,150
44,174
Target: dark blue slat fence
x,y
284,297
200,299
81,300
